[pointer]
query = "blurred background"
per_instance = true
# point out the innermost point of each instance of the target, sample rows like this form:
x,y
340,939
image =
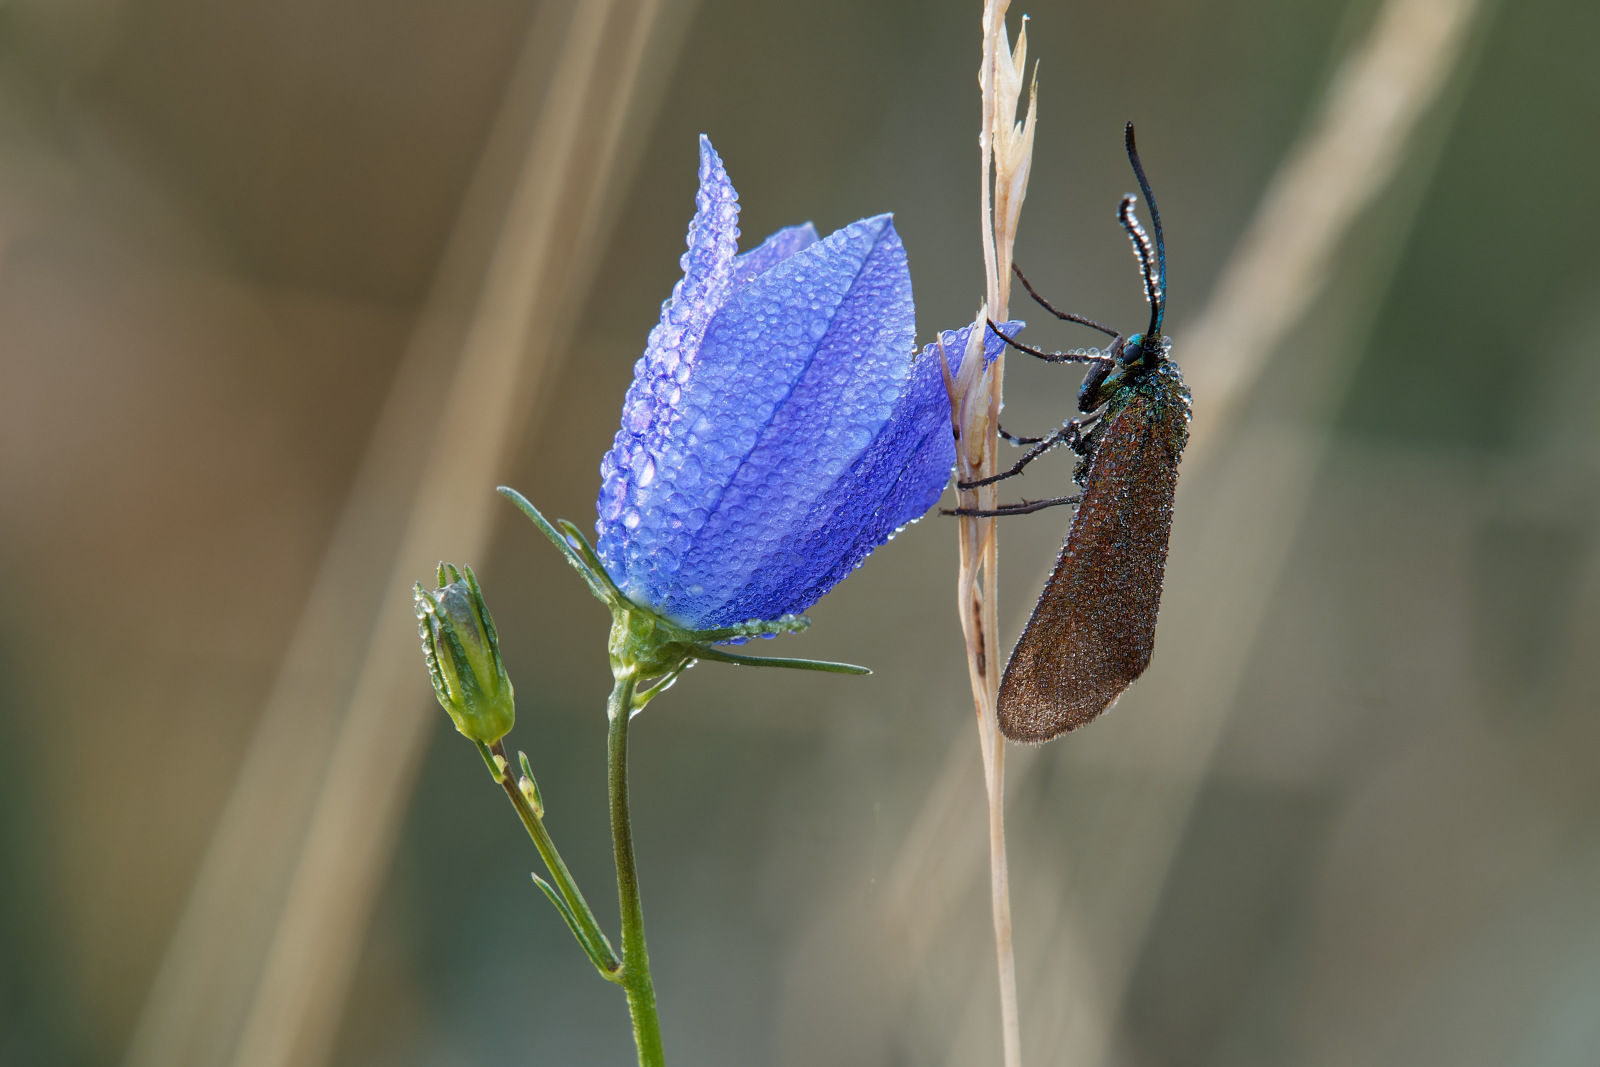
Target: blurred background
x,y
286,289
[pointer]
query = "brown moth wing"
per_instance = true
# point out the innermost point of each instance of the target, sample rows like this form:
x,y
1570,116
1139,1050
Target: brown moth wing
x,y
1092,632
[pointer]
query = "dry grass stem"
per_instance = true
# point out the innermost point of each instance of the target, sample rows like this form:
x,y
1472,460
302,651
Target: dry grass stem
x,y
1006,146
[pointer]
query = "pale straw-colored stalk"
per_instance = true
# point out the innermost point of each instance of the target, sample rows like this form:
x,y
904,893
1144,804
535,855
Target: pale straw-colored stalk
x,y
1007,146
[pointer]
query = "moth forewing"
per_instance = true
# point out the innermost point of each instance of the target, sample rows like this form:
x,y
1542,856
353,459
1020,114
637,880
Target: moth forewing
x,y
1093,630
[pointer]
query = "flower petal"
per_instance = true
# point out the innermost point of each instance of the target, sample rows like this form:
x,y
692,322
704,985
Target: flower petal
x,y
774,250
955,344
890,483
669,355
806,434
846,460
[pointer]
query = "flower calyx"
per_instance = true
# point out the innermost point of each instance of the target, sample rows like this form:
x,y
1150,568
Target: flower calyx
x,y
647,644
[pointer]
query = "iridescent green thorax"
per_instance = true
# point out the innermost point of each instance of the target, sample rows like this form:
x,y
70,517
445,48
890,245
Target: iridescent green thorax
x,y
1162,385
1150,379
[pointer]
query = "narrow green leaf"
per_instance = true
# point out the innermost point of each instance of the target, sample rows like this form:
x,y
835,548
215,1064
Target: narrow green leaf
x,y
537,800
596,956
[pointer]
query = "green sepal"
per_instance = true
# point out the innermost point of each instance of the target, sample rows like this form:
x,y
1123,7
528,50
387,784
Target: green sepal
x,y
641,697
600,583
650,645
781,661
581,546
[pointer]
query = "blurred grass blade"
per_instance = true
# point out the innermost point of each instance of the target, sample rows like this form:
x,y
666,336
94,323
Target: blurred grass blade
x,y
257,970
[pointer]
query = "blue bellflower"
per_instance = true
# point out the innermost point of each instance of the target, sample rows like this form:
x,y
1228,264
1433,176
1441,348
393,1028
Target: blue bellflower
x,y
780,425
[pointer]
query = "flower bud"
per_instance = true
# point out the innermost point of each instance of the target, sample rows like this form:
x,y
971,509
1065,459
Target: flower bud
x,y
463,654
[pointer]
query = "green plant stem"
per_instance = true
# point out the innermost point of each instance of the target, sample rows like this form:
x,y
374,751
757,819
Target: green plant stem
x,y
590,936
635,959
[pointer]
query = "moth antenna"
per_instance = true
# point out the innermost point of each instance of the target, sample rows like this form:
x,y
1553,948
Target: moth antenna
x,y
1143,250
1155,289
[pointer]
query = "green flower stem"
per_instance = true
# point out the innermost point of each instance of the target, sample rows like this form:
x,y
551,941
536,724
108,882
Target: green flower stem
x,y
582,921
635,959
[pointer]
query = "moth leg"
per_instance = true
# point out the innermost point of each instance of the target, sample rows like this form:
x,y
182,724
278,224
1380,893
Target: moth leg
x,y
1025,508
1013,439
1065,316
1070,434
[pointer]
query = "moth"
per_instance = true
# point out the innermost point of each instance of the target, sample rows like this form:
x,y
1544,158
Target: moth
x,y
1093,630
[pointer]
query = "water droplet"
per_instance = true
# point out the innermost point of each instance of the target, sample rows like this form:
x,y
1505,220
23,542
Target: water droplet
x,y
637,418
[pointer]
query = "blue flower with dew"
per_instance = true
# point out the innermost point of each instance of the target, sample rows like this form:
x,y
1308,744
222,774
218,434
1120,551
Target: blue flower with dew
x,y
780,425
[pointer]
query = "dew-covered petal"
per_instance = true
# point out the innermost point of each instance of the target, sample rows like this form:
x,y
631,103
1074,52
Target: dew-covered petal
x,y
769,253
891,482
670,353
955,343
755,352
780,424
764,548
807,433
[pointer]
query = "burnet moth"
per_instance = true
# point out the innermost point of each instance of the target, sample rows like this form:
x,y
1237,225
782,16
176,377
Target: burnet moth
x,y
1093,630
